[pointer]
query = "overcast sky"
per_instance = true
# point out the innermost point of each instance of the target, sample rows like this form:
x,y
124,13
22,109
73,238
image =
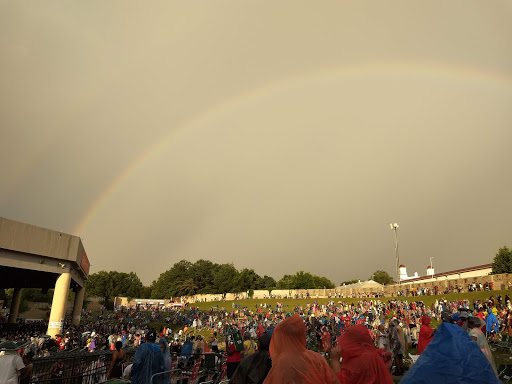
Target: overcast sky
x,y
277,135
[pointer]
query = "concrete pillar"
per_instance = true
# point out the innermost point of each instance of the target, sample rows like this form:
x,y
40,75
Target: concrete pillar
x,y
77,307
60,298
15,305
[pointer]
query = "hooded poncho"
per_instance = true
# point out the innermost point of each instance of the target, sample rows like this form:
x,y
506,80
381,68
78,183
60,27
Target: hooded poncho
x,y
426,334
291,361
451,357
147,361
490,320
167,359
362,363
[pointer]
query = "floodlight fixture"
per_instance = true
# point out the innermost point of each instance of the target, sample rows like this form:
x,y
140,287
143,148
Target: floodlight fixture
x,y
394,227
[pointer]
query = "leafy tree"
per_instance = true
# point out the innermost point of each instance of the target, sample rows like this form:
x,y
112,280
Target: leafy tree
x,y
247,279
23,306
187,288
304,280
99,284
108,285
266,282
502,261
225,276
146,292
36,295
323,282
286,282
382,277
202,274
4,297
349,282
167,284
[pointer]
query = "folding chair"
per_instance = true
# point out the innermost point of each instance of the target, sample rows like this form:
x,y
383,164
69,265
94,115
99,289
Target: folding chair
x,y
220,375
506,374
192,378
502,344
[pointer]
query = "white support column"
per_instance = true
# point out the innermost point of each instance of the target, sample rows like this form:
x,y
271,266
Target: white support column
x,y
60,298
77,307
15,305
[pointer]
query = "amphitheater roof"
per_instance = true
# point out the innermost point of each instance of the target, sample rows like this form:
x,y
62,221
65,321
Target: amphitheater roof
x,y
31,255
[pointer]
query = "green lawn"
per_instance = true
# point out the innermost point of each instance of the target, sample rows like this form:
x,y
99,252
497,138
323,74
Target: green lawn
x,y
291,303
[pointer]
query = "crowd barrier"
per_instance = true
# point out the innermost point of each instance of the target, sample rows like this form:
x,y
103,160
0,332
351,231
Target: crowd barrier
x,y
79,366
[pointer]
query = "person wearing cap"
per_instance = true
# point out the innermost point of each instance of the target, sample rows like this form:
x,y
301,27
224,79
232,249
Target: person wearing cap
x,y
11,364
147,361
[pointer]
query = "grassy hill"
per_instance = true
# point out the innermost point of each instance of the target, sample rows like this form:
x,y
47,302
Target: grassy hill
x,y
291,303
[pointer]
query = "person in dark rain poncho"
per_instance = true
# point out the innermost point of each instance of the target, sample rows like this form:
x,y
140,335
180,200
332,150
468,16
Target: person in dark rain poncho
x,y
147,361
254,368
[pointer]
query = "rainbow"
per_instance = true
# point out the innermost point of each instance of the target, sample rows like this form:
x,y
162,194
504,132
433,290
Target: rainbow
x,y
431,70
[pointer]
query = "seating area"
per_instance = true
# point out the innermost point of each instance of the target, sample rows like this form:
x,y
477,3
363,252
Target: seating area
x,y
503,345
505,373
208,368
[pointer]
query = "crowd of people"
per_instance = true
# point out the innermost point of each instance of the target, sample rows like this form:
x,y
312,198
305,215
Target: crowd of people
x,y
269,342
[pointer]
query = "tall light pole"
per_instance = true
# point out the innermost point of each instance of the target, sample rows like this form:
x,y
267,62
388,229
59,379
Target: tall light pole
x,y
431,262
394,227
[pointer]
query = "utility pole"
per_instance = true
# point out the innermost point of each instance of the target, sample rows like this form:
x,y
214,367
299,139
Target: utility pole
x,y
394,227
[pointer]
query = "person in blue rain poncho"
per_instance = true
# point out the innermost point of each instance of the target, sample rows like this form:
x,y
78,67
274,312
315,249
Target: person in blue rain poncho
x,y
147,361
186,349
451,357
491,324
164,346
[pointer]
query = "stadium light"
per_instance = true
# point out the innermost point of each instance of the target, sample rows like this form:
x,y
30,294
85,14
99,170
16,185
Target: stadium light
x,y
394,227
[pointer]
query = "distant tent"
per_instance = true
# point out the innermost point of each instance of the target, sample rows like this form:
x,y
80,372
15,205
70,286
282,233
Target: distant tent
x,y
452,357
363,284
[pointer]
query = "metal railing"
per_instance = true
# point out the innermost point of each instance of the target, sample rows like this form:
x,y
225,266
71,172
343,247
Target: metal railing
x,y
209,367
76,365
171,373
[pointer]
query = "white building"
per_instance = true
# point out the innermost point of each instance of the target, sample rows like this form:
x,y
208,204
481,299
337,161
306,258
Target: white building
x,y
403,274
465,273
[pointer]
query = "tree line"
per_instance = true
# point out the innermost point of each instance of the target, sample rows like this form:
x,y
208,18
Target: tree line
x,y
205,277
202,277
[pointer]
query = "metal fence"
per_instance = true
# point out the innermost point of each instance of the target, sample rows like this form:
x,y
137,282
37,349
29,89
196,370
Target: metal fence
x,y
83,367
199,368
74,367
